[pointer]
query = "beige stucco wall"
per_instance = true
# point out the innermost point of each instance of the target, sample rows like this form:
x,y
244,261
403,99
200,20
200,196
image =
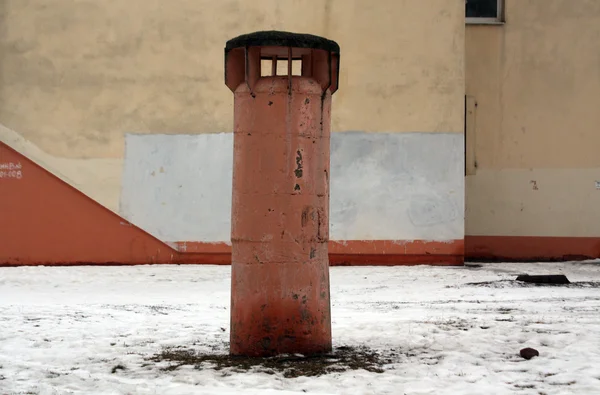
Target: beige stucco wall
x,y
77,75
536,82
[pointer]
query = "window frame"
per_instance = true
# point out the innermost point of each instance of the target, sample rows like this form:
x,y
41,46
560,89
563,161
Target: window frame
x,y
498,20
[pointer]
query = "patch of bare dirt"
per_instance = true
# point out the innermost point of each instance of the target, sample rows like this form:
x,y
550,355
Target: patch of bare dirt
x,y
339,360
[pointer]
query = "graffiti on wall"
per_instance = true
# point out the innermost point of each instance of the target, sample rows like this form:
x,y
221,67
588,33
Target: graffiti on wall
x,y
11,170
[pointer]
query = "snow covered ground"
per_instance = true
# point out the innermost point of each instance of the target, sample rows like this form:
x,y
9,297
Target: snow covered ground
x,y
65,330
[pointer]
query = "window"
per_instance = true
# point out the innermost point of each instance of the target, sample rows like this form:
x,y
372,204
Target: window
x,y
483,11
281,67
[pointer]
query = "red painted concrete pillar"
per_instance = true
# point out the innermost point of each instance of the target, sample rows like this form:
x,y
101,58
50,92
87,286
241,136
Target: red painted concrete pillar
x,y
280,209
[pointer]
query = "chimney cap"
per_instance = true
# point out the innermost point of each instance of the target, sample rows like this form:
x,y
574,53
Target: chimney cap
x,y
282,39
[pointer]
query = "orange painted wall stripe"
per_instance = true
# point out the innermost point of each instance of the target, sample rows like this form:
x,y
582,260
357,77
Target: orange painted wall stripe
x,y
360,252
350,247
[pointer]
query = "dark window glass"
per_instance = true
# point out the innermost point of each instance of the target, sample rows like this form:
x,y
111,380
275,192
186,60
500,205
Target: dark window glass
x,y
482,8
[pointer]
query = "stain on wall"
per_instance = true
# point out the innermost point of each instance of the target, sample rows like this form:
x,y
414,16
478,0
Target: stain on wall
x,y
384,186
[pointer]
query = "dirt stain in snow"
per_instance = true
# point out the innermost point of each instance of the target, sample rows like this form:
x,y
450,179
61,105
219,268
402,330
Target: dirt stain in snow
x,y
341,359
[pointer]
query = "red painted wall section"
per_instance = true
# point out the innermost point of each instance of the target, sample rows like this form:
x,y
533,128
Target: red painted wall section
x,y
44,220
531,248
